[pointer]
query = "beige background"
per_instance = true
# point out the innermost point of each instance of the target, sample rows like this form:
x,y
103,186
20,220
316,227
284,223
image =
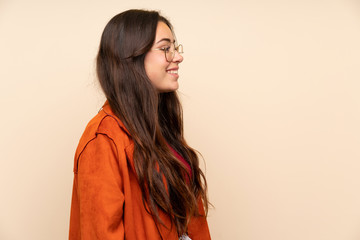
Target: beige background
x,y
271,98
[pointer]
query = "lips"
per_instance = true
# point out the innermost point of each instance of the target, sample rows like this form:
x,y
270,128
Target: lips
x,y
172,70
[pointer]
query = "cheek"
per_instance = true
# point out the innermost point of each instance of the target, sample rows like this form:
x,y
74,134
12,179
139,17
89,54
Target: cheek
x,y
155,68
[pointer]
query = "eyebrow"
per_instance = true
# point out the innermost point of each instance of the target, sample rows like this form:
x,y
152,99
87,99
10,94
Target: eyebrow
x,y
165,39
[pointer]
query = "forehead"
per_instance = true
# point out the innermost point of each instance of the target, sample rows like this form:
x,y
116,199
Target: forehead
x,y
163,31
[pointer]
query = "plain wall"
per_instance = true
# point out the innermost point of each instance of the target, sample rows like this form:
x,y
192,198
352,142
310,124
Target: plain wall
x,y
271,99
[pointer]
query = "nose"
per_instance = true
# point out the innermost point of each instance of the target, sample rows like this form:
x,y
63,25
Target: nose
x,y
178,58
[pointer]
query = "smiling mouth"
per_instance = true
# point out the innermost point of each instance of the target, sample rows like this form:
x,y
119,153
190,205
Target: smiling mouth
x,y
173,71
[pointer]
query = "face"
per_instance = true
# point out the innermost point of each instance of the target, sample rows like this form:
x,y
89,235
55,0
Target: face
x,y
162,74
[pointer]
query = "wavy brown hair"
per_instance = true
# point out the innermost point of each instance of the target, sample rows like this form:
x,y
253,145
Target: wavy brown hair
x,y
153,119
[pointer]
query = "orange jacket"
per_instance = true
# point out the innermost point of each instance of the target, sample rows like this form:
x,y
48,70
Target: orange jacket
x,y
107,200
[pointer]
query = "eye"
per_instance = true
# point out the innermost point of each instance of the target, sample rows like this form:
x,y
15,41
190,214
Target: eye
x,y
165,49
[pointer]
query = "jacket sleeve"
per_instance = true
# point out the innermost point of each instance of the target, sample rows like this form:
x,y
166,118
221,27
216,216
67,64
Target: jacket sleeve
x,y
198,226
100,191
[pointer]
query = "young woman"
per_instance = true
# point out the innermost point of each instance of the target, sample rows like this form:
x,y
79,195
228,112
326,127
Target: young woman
x,y
135,176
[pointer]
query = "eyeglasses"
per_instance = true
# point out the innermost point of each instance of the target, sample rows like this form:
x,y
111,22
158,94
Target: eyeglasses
x,y
170,51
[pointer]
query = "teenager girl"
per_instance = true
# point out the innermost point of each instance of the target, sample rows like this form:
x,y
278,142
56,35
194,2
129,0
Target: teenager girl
x,y
135,177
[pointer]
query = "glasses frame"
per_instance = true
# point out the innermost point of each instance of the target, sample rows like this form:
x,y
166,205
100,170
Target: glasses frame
x,y
179,48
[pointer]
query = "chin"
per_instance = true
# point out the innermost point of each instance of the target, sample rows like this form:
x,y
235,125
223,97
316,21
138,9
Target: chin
x,y
169,89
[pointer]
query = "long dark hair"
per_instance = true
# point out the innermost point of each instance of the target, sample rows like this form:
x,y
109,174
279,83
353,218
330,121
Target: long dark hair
x,y
153,119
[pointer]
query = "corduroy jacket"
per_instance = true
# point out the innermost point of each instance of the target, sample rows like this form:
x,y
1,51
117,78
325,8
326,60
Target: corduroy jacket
x,y
107,201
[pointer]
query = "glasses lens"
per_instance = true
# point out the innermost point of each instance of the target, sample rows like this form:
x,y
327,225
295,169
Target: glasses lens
x,y
171,53
169,56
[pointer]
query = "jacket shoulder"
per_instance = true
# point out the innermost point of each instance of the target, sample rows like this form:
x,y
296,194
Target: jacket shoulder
x,y
104,123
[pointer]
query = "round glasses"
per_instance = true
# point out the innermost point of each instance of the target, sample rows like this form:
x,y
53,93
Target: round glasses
x,y
170,51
